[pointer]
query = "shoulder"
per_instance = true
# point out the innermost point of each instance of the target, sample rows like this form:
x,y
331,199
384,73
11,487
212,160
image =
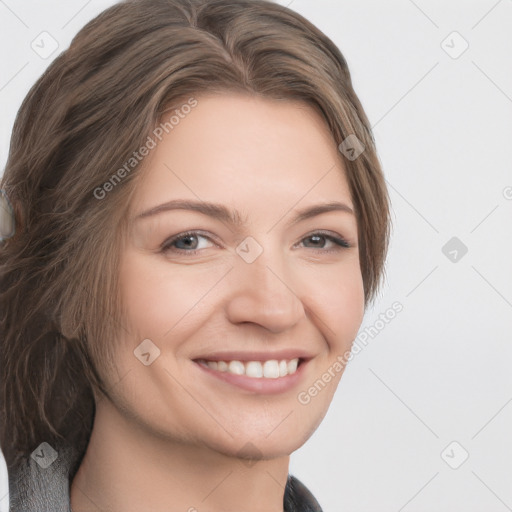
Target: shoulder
x,y
298,498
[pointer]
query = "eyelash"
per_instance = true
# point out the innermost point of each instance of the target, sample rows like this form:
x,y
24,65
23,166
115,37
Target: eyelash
x,y
166,246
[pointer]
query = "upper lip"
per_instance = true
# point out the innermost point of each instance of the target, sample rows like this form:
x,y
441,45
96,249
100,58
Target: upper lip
x,y
287,354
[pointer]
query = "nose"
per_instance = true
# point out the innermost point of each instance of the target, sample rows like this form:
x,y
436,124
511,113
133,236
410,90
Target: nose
x,y
264,292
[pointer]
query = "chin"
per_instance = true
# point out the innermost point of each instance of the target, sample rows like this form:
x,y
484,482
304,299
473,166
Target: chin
x,y
263,446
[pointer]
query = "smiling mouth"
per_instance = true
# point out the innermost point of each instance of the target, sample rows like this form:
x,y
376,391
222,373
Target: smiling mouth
x,y
271,369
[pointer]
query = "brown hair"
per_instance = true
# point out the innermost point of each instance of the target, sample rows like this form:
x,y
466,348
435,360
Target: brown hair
x,y
97,102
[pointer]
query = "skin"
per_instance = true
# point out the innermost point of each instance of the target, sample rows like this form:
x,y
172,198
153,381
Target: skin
x,y
169,437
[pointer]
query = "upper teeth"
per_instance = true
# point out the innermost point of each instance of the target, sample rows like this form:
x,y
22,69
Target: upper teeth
x,y
267,369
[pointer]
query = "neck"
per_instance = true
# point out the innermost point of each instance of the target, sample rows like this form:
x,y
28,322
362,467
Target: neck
x,y
128,469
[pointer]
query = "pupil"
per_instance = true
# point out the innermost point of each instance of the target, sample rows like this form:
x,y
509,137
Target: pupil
x,y
188,240
316,238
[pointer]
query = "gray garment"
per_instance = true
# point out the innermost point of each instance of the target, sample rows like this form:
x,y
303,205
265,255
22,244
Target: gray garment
x,y
34,488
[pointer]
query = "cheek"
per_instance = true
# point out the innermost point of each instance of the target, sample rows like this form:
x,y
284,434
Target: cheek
x,y
340,302
158,298
354,299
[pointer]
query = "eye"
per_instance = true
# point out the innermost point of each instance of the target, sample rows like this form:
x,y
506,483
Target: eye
x,y
320,238
188,242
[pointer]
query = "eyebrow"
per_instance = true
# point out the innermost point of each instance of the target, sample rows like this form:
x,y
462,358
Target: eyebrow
x,y
222,213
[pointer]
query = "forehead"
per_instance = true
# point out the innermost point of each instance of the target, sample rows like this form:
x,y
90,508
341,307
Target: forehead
x,y
245,150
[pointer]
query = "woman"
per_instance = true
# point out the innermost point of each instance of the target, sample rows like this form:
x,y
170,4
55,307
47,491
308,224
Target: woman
x,y
200,221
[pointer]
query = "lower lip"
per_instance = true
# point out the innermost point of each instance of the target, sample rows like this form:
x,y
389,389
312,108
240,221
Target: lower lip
x,y
259,385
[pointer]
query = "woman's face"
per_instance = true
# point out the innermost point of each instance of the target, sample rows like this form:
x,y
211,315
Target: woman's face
x,y
260,276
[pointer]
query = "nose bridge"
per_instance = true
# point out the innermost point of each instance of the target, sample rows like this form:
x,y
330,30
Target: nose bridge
x,y
263,289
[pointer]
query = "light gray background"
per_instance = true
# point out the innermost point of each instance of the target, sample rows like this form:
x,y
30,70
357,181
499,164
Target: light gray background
x,y
440,370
